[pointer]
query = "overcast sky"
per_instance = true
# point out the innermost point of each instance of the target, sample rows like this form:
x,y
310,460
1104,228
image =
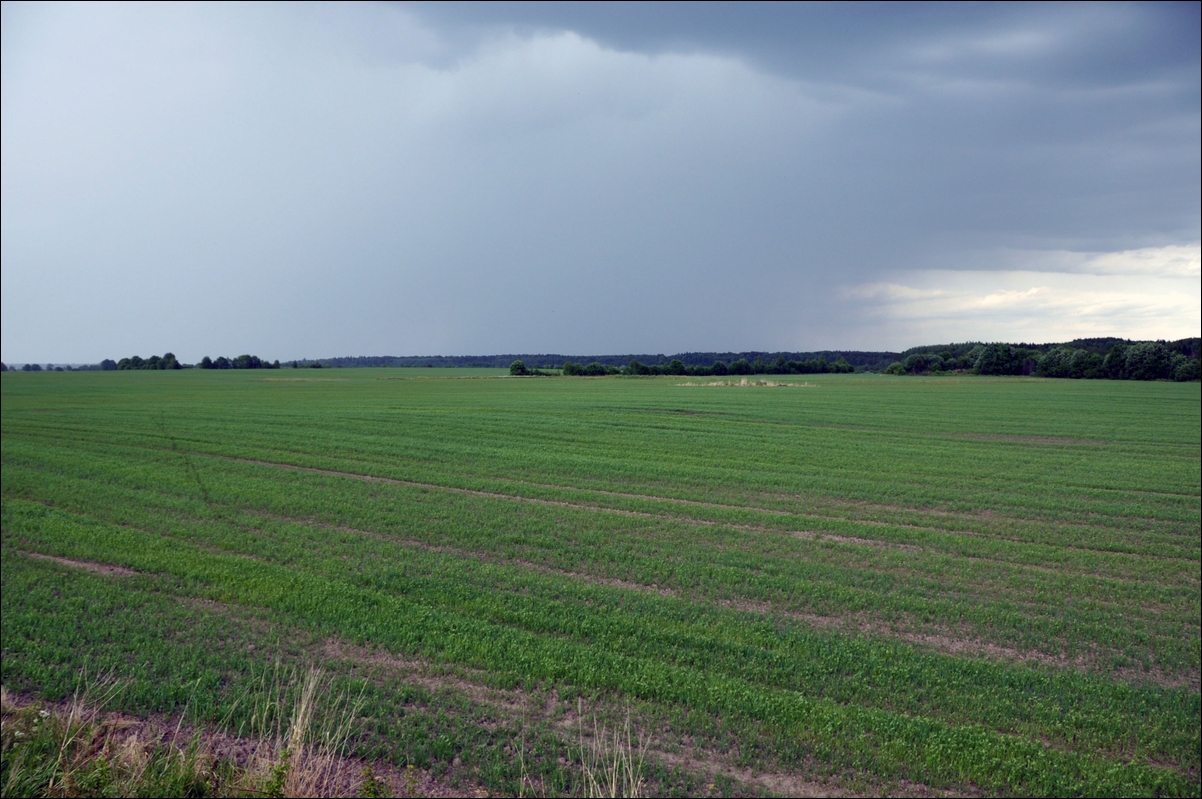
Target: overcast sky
x,y
404,179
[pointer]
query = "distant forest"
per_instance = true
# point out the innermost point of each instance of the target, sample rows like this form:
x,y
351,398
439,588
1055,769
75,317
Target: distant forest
x,y
1088,358
865,361
1080,358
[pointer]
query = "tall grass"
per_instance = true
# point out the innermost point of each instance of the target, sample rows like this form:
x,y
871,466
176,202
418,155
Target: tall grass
x,y
299,745
611,763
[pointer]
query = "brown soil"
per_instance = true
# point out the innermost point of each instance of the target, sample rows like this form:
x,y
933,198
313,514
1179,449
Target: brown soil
x,y
86,565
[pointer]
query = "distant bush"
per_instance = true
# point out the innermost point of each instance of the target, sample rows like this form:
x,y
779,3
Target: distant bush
x,y
135,363
677,368
923,362
241,362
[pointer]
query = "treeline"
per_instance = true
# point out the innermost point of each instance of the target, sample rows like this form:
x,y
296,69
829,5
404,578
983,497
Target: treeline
x,y
35,367
241,362
857,358
166,361
1097,359
677,367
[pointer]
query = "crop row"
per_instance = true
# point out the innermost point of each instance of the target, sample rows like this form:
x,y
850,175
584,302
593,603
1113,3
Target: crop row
x,y
1043,611
523,637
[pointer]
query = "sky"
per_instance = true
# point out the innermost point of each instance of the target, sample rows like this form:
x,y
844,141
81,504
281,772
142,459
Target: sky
x,y
303,181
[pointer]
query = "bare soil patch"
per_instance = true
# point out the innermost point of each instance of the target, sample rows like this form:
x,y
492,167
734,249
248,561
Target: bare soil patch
x,y
86,565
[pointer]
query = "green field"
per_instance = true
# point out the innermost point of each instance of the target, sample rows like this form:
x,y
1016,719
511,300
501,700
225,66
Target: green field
x,y
853,584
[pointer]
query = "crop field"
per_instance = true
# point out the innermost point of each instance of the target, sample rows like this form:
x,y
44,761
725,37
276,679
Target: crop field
x,y
846,584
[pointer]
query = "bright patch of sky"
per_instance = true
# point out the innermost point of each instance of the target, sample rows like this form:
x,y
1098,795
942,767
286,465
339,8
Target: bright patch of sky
x,y
310,181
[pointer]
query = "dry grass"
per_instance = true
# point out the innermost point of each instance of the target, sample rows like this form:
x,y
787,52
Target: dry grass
x,y
611,763
77,749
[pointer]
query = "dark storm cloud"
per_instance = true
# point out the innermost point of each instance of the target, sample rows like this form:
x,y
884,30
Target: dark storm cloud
x,y
994,115
880,44
312,180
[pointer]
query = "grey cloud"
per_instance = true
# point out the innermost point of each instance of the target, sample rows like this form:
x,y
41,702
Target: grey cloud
x,y
319,180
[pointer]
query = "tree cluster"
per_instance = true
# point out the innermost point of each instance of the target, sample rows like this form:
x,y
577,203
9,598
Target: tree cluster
x,y
985,359
37,367
519,369
134,362
861,360
1143,360
676,367
594,369
241,362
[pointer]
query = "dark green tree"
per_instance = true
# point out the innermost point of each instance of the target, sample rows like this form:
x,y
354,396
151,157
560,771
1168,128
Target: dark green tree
x,y
1190,369
999,359
1149,360
1114,366
1054,363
